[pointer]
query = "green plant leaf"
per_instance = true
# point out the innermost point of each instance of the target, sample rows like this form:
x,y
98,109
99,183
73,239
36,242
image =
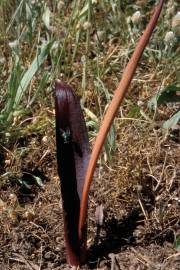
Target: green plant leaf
x,y
134,112
37,62
38,181
172,122
16,75
169,94
42,85
46,17
177,243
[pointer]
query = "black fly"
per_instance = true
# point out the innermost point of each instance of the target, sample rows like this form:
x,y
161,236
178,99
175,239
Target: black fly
x,y
65,134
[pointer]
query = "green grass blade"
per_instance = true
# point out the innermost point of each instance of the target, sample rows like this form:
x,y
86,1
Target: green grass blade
x,y
37,62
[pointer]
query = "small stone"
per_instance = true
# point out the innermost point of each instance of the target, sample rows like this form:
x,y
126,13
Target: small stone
x,y
58,240
7,162
140,103
45,139
57,249
139,188
48,255
13,198
29,215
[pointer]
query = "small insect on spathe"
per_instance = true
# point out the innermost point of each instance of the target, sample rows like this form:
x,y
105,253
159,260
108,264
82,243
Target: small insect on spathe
x,y
65,134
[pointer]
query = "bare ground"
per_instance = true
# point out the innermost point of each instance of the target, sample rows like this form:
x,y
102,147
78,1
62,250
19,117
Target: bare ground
x,y
139,193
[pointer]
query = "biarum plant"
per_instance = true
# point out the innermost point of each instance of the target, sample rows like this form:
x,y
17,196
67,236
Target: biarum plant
x,y
73,157
75,168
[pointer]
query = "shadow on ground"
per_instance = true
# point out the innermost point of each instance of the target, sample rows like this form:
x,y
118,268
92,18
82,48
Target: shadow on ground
x,y
118,234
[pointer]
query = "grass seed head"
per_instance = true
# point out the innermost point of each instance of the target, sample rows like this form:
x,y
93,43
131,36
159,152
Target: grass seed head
x,y
176,23
170,11
60,5
170,3
169,38
136,18
86,25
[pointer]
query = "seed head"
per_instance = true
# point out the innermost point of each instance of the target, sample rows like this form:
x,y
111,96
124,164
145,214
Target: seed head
x,y
136,17
176,23
14,44
169,38
99,36
170,11
170,3
60,5
86,25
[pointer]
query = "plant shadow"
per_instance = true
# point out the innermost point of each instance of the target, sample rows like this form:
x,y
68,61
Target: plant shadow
x,y
118,234
29,185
